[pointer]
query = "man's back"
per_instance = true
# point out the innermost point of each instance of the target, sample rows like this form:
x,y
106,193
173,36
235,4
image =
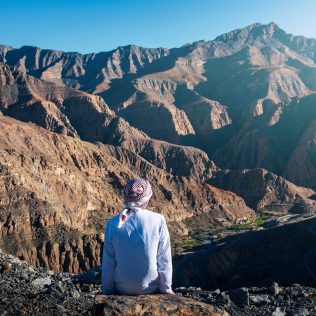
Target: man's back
x,y
137,254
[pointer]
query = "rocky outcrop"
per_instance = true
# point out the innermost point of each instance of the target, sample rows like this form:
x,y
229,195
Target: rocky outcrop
x,y
283,254
177,160
230,97
27,290
57,193
31,291
262,189
284,148
60,109
155,305
274,300
170,125
90,72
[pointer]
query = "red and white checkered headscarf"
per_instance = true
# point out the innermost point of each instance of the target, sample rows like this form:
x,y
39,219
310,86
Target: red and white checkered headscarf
x,y
137,193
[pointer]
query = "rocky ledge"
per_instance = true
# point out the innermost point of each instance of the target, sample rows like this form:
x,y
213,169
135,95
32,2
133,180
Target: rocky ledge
x,y
25,290
295,300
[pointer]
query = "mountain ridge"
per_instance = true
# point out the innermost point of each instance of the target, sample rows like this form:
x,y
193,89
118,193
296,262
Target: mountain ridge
x,y
215,126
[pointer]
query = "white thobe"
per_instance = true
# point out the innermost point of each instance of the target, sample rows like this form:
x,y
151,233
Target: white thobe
x,y
137,255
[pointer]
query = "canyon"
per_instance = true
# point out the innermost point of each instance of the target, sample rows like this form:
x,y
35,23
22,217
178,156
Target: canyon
x,y
224,130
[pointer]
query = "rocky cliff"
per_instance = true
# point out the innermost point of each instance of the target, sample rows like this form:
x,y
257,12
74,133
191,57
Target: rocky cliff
x,y
269,190
285,254
57,193
101,119
31,291
231,97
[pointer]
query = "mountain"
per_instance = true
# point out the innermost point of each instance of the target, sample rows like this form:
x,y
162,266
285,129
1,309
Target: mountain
x,y
286,147
58,191
233,97
262,189
60,109
284,254
221,128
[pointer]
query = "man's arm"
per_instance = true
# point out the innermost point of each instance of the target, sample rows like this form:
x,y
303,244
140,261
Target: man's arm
x,y
164,260
108,263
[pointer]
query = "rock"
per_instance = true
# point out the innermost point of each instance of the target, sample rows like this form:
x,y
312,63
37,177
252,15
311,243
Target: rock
x,y
298,312
278,312
154,305
259,299
216,292
86,288
294,291
74,293
42,282
275,289
223,299
92,276
6,267
239,297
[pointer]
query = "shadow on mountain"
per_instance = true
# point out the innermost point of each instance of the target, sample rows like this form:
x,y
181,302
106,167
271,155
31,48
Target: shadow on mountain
x,y
285,254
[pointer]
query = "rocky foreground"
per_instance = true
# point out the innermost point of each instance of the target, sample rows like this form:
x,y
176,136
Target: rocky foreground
x,y
26,290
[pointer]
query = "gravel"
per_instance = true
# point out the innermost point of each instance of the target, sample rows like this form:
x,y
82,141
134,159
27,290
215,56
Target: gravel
x,y
25,290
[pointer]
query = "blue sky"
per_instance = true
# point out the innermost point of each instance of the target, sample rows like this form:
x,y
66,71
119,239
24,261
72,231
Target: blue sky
x,y
102,25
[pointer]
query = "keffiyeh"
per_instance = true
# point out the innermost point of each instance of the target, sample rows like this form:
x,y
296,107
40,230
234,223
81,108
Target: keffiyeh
x,y
137,194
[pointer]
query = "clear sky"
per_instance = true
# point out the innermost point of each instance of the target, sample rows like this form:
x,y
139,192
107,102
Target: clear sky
x,y
102,25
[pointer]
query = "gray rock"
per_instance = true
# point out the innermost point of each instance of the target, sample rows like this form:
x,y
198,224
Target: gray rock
x,y
275,289
6,267
74,293
223,300
240,297
259,299
298,312
278,312
42,282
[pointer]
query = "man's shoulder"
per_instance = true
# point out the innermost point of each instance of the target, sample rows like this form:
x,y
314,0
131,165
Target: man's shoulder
x,y
154,214
113,220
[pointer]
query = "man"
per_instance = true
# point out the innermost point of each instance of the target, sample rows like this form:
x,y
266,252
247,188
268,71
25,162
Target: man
x,y
137,253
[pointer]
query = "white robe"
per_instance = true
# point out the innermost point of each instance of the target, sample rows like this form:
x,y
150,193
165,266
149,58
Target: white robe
x,y
137,255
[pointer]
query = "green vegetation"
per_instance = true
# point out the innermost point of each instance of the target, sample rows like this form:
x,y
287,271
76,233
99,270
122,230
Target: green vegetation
x,y
190,244
195,237
252,223
261,218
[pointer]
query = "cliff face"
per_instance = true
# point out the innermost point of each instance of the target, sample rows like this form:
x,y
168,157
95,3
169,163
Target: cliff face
x,y
91,72
285,148
261,189
245,99
57,193
30,291
34,291
284,254
230,96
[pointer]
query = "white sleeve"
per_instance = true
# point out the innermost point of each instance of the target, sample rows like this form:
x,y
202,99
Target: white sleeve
x,y
164,259
108,263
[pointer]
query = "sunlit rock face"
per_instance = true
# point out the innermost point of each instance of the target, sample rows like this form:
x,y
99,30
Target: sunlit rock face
x,y
233,94
58,191
221,128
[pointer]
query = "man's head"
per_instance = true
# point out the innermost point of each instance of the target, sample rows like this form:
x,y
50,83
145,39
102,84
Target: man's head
x,y
137,193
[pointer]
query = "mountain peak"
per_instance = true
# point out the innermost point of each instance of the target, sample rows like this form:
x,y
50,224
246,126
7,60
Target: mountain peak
x,y
251,34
